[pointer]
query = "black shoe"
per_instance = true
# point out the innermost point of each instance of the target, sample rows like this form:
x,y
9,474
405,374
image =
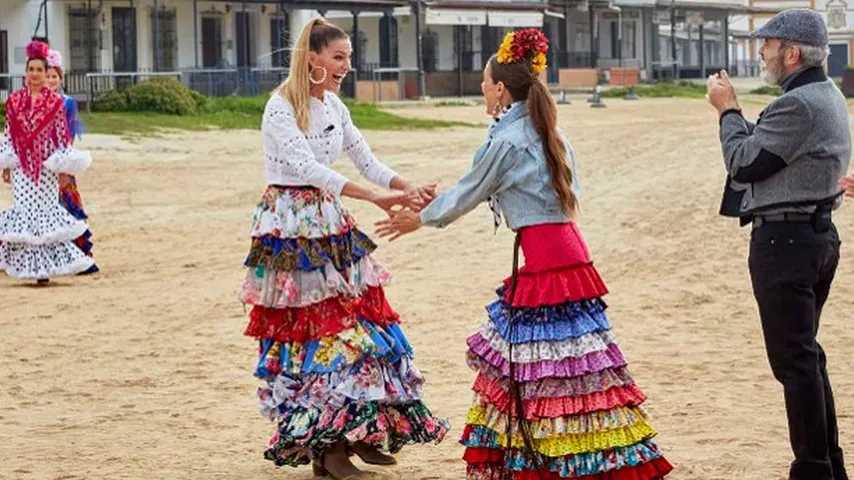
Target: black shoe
x,y
42,281
90,270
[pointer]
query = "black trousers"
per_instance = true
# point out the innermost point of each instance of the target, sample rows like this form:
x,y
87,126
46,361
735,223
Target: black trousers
x,y
792,267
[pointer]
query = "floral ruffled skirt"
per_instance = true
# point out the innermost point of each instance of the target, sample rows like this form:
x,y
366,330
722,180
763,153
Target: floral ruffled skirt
x,y
335,361
579,405
69,198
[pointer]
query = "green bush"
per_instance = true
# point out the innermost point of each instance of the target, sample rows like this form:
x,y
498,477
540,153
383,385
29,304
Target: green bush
x,y
162,95
159,95
247,105
111,101
768,90
201,100
681,88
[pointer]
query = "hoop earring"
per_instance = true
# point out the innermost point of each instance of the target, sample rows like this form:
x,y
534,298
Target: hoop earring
x,y
311,78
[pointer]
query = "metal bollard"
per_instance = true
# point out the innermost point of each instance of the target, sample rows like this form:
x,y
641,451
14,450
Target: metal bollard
x,y
596,99
631,95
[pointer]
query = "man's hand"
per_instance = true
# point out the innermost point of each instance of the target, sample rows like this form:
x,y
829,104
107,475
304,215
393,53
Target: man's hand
x,y
721,93
7,175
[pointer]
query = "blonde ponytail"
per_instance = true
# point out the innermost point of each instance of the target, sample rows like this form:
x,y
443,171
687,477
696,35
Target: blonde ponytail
x,y
296,88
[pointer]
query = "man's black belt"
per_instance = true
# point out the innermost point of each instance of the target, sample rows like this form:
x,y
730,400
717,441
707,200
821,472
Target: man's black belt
x,y
789,217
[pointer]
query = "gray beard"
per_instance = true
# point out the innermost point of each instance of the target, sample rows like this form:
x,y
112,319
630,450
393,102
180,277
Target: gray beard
x,y
771,75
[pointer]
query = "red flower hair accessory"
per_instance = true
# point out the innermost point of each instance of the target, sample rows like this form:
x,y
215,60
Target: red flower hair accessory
x,y
529,44
37,49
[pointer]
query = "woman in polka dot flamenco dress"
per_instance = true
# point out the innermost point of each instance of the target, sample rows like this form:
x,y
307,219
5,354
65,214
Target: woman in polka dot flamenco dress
x,y
37,234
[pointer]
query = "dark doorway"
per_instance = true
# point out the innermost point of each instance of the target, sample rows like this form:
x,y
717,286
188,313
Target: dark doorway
x,y
124,39
211,41
244,39
280,40
4,59
388,41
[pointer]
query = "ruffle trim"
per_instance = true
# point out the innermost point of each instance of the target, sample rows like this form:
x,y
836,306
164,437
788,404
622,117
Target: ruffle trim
x,y
621,417
84,243
373,379
573,347
324,319
556,323
570,466
46,267
69,198
274,289
68,160
488,381
305,433
304,212
307,254
558,446
8,158
554,287
334,353
655,469
18,226
569,367
538,408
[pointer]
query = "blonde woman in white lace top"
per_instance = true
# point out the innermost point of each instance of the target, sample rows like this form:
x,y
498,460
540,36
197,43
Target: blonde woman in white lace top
x,y
297,157
338,370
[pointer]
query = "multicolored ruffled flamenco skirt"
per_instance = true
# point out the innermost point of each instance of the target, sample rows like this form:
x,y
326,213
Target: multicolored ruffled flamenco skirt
x,y
581,407
336,363
69,198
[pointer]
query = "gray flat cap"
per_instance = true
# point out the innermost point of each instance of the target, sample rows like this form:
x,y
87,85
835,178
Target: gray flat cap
x,y
800,25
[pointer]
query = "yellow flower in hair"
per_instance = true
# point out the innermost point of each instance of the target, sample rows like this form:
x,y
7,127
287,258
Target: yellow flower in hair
x,y
505,51
539,63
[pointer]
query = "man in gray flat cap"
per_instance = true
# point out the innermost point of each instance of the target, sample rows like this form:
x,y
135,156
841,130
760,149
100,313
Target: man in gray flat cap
x,y
782,176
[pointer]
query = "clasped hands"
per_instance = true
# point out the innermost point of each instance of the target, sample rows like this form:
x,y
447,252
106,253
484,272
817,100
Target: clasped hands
x,y
403,211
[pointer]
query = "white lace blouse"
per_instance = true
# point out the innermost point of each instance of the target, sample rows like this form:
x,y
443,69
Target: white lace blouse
x,y
294,157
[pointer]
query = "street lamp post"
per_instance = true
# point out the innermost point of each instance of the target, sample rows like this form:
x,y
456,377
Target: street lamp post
x,y
422,87
673,38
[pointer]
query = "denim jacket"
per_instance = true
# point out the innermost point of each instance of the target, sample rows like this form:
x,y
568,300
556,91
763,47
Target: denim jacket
x,y
510,168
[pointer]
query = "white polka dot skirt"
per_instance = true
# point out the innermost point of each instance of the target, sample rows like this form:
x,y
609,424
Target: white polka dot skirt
x,y
37,234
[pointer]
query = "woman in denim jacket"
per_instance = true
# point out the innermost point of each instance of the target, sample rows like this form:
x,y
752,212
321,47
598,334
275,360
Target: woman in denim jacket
x,y
550,375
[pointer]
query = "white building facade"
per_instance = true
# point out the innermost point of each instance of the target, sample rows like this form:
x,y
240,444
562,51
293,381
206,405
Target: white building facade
x,y
217,44
838,15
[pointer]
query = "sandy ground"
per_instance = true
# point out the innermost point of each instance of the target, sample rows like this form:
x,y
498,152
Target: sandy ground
x,y
142,372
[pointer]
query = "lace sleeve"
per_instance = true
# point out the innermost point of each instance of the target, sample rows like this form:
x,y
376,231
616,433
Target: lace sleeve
x,y
66,159
292,155
360,153
8,158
